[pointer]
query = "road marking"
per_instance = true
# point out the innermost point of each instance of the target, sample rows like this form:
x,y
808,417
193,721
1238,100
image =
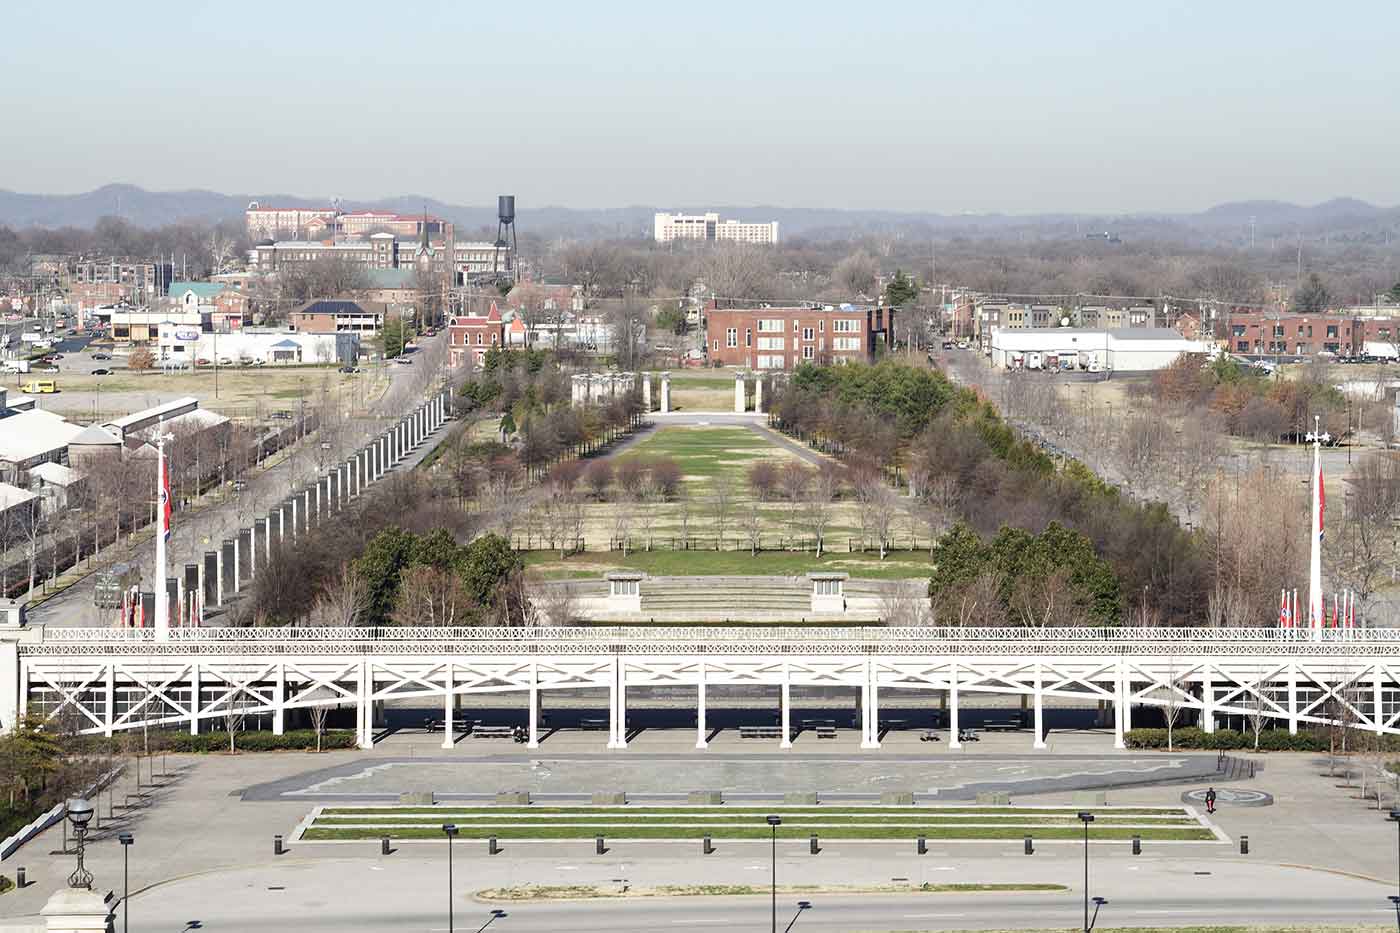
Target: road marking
x,y
932,916
700,920
566,868
1168,912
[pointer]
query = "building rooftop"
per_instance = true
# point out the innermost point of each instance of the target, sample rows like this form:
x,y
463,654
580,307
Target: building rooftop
x,y
54,474
201,289
34,433
158,413
92,436
392,278
11,496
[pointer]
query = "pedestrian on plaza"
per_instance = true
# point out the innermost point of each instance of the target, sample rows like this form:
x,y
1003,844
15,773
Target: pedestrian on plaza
x,y
1210,800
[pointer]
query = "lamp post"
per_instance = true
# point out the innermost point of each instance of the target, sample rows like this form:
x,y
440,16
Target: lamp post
x,y
126,840
1395,818
449,830
801,906
1098,902
773,823
495,915
79,813
1086,819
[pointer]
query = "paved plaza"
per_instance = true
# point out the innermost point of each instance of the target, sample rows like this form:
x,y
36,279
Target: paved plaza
x,y
204,847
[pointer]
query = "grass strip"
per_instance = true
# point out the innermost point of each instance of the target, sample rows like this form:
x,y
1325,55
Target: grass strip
x,y
786,831
544,892
632,810
814,820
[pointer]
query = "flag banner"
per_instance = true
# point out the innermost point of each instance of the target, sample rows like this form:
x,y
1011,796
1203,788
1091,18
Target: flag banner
x,y
164,500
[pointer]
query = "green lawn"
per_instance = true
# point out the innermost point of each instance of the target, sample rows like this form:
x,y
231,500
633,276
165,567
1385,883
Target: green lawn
x,y
895,566
623,822
708,452
507,830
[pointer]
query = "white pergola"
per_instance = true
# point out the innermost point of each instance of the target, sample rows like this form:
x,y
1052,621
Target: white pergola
x,y
109,680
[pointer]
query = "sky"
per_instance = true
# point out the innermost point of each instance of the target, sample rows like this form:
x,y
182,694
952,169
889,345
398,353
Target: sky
x,y
1006,106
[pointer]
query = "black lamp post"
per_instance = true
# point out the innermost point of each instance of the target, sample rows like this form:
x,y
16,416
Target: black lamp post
x,y
1098,902
126,840
449,830
1395,818
801,906
495,915
773,823
79,813
1086,819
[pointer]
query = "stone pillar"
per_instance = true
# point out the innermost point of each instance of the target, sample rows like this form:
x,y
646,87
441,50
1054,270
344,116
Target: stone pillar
x,y
665,392
646,392
306,509
245,554
78,910
190,584
740,401
236,569
227,556
282,524
758,393
293,523
208,583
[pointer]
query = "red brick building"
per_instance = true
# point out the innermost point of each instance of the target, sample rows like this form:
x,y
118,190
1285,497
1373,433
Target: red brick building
x,y
781,338
1264,333
475,334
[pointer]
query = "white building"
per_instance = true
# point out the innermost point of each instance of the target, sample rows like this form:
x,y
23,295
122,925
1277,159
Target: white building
x,y
709,228
1127,349
188,345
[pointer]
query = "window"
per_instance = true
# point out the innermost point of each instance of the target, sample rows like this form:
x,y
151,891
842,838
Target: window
x,y
826,587
1332,330
770,326
807,333
845,343
716,345
731,337
821,343
748,336
821,325
625,587
795,325
772,343
1278,330
1238,330
845,326
478,338
1242,346
808,352
1300,330
770,362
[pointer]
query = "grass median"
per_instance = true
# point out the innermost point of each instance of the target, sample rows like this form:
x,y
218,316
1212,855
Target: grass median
x,y
791,831
570,892
723,810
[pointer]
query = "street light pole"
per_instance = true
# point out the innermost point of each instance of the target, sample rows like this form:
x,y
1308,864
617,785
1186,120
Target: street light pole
x,y
1086,819
773,823
801,906
126,840
1395,818
449,830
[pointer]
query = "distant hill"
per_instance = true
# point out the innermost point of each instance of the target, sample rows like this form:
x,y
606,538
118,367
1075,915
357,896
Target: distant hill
x,y
1341,216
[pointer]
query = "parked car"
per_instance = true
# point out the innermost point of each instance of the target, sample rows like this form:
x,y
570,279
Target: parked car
x,y
348,369
102,356
102,372
53,358
225,361
201,362
403,361
282,415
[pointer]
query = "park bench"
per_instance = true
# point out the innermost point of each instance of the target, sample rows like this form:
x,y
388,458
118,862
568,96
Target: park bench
x,y
1002,724
494,732
760,732
826,732
593,725
434,724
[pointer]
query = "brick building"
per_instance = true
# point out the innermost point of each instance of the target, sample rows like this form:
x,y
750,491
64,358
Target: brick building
x,y
1269,333
329,316
475,334
781,338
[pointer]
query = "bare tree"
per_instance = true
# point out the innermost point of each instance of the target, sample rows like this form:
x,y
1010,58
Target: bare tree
x,y
235,713
1171,695
432,597
721,507
816,509
342,601
905,602
555,602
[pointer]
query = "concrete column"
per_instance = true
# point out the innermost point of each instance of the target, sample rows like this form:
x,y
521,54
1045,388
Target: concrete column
x,y
191,586
211,581
740,401
1039,709
306,510
1292,699
646,392
225,567
363,479
109,714
447,683
867,728
786,702
253,534
953,726
363,725
758,392
701,731
1127,700
279,700
534,705
194,698
282,524
618,713
1207,699
238,560
1378,719
665,392
293,505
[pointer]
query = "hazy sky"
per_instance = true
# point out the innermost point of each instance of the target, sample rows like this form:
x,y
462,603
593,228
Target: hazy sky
x,y
989,106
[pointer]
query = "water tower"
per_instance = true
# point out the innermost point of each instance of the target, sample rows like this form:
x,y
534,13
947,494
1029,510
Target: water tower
x,y
505,225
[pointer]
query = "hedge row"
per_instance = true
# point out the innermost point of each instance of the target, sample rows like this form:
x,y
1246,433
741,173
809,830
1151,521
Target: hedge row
x,y
1270,740
183,742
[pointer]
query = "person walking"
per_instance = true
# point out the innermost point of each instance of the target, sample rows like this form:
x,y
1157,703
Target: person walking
x,y
1210,800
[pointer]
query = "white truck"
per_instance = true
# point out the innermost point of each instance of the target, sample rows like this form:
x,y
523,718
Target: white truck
x,y
1380,350
14,366
1033,360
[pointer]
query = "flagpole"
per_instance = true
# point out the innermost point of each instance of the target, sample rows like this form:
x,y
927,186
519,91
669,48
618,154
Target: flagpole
x,y
162,621
1315,595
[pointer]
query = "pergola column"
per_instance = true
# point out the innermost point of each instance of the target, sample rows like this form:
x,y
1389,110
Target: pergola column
x,y
786,702
1039,709
534,705
1207,699
953,728
1292,698
447,684
700,728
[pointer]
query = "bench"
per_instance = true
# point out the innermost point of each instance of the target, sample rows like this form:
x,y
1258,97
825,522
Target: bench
x,y
826,732
1003,724
760,732
434,724
494,732
593,725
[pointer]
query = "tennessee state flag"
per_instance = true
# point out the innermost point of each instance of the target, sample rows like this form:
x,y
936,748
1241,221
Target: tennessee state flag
x,y
164,500
1321,503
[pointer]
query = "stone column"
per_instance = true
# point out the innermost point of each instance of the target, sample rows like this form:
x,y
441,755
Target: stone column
x,y
646,392
293,522
665,392
227,557
245,550
306,510
740,402
255,547
237,543
758,393
208,583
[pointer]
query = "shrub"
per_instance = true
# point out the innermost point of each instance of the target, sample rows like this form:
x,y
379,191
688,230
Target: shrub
x,y
666,477
598,476
251,741
763,479
1270,740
